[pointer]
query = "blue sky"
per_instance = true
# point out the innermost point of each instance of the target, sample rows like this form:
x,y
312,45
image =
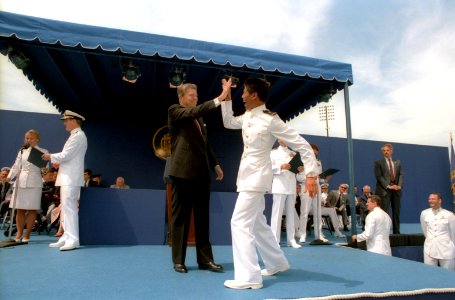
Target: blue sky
x,y
402,53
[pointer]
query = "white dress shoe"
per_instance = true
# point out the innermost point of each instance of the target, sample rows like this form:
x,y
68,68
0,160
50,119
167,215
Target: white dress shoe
x,y
242,285
69,247
270,272
57,244
302,239
294,245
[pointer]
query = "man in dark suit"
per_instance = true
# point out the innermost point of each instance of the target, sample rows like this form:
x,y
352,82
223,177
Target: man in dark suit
x,y
88,182
339,200
389,183
191,161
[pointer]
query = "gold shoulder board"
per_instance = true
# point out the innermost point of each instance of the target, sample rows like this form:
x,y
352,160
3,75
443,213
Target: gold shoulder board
x,y
269,112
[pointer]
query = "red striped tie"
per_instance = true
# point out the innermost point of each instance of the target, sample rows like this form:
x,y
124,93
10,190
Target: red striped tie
x,y
392,176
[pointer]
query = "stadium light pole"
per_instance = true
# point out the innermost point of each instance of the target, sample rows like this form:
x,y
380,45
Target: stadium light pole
x,y
326,113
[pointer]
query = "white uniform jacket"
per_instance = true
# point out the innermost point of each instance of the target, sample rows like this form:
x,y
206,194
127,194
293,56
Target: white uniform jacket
x,y
439,229
283,180
377,231
30,175
255,171
71,159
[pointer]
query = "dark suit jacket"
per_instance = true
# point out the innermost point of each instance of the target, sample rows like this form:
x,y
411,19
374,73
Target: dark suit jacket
x,y
4,190
332,198
191,155
382,173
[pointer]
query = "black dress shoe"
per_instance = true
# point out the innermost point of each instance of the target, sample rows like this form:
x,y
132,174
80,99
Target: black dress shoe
x,y
211,266
180,268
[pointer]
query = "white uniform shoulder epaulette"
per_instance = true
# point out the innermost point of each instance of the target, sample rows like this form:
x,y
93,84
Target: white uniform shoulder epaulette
x,y
269,112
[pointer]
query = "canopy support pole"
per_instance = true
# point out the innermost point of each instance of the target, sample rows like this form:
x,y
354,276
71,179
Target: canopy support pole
x,y
350,160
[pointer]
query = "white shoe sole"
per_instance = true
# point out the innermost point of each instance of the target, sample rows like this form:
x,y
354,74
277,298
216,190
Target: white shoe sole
x,y
69,247
242,285
56,245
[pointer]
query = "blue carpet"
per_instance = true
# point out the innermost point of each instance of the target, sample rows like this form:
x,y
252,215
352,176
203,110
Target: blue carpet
x,y
35,271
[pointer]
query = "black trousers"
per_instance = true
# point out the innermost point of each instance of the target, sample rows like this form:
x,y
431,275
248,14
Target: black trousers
x,y
393,199
190,195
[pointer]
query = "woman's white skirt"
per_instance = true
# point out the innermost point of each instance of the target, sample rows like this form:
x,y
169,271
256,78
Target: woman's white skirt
x,y
27,198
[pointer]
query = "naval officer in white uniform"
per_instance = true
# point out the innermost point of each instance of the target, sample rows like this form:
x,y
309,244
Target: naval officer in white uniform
x,y
284,194
249,229
70,178
377,228
438,226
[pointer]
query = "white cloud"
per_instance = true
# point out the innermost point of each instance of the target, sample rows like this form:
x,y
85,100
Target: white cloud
x,y
18,93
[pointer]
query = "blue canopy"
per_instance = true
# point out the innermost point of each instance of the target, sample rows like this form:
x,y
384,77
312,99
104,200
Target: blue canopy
x,y
80,67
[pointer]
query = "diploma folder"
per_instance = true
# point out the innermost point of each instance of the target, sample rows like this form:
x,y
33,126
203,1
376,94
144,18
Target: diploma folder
x,y
328,172
35,158
295,162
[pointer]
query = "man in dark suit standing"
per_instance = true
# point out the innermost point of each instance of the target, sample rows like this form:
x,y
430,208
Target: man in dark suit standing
x,y
389,183
191,161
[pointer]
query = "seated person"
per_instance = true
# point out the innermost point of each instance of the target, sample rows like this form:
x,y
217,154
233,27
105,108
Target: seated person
x,y
5,190
339,199
120,184
366,192
88,182
330,211
98,181
47,198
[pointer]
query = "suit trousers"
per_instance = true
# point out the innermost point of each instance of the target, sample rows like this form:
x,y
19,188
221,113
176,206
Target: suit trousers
x,y
282,202
69,197
250,232
393,199
331,212
190,195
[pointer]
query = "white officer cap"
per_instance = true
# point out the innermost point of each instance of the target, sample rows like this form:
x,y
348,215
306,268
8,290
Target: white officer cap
x,y
68,114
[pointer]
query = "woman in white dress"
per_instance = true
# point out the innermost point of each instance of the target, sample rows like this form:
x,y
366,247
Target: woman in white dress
x,y
28,187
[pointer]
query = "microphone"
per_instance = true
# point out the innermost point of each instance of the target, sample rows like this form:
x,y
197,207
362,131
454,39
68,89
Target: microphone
x,y
24,146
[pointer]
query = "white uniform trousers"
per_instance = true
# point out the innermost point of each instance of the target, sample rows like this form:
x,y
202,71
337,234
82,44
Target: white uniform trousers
x,y
306,204
280,203
250,231
69,196
443,263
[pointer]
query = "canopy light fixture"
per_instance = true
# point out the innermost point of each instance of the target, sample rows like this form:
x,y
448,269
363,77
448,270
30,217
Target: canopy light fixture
x,y
231,75
18,59
177,77
327,95
131,73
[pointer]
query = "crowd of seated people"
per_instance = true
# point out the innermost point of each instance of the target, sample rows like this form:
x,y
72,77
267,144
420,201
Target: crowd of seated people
x,y
96,180
49,216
